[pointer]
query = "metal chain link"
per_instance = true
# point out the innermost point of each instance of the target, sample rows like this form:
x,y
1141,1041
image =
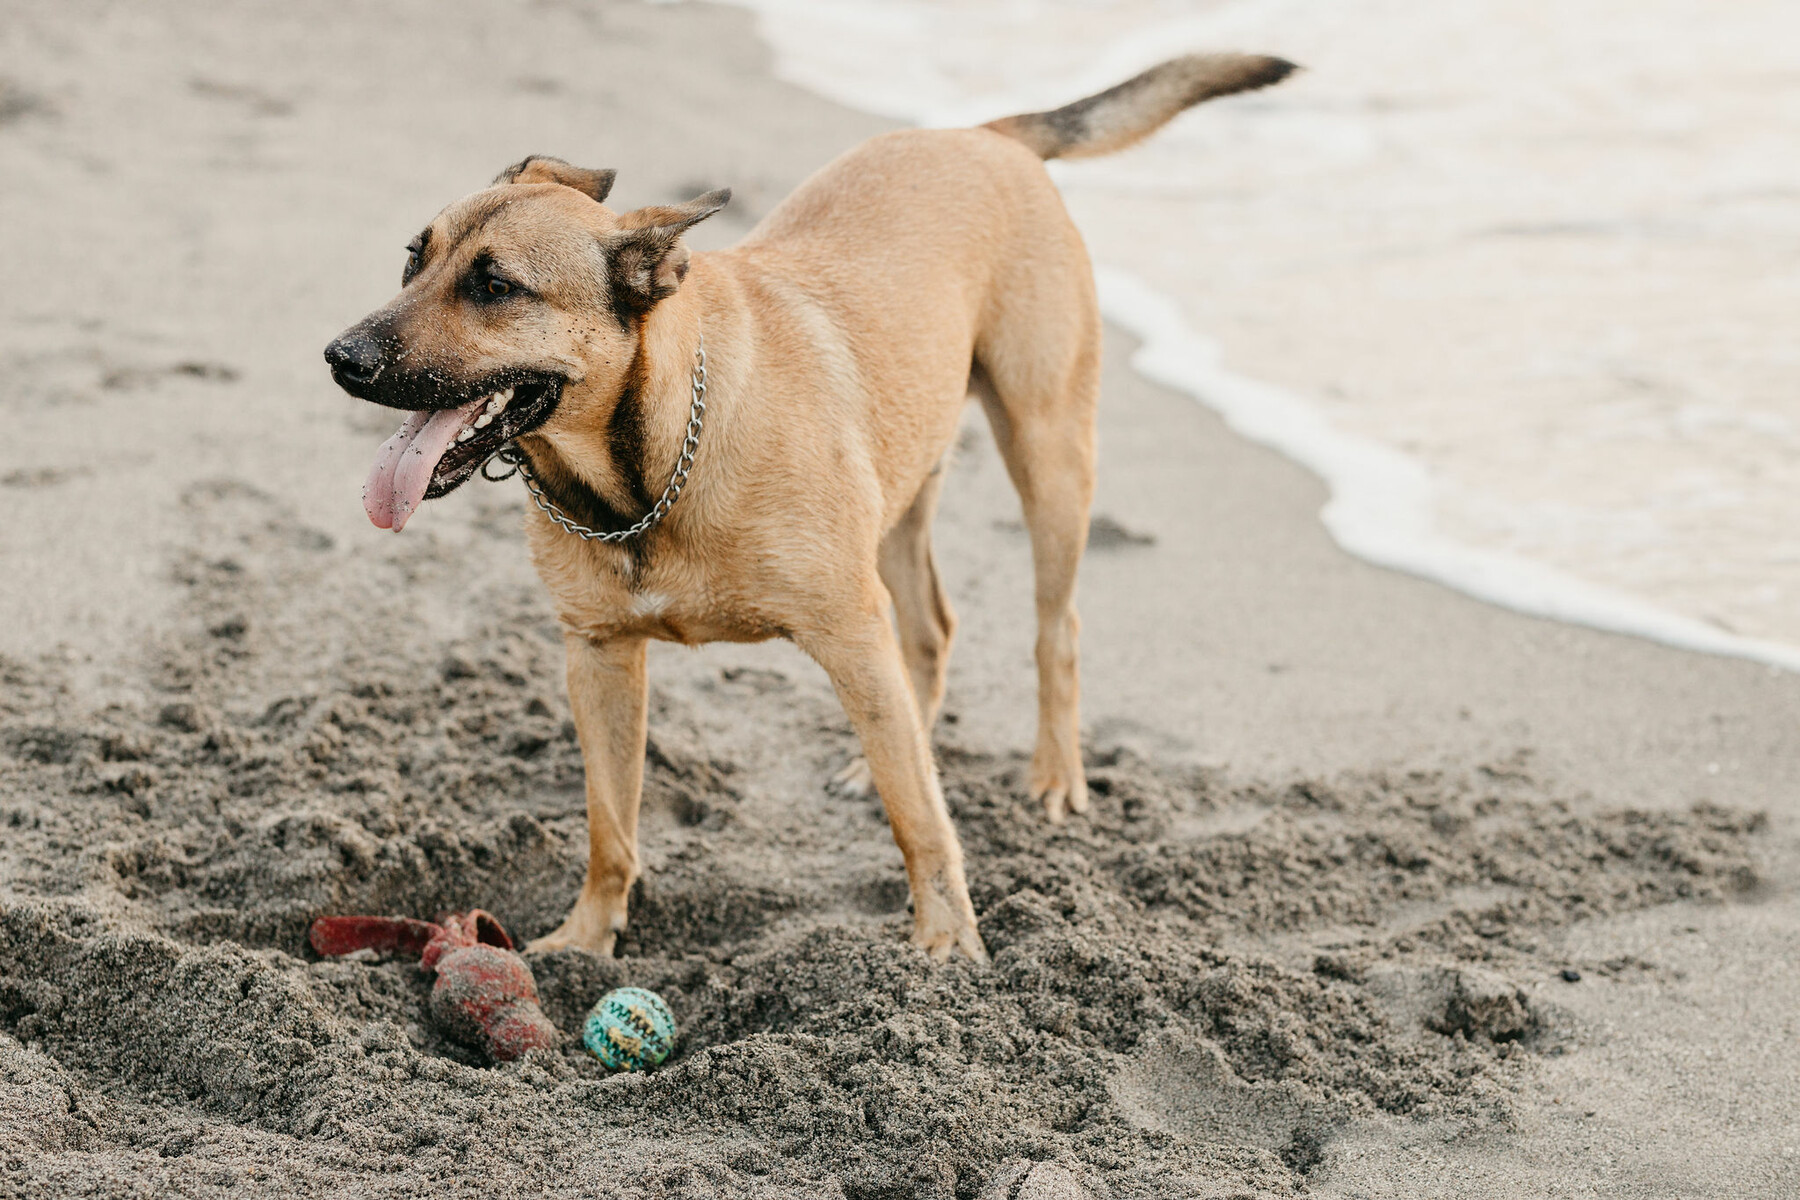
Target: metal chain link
x,y
515,457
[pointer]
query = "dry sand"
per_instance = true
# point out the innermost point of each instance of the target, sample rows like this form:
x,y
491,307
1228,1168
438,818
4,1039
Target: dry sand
x,y
1349,828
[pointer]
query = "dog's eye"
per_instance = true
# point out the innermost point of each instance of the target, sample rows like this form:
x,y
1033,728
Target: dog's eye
x,y
485,281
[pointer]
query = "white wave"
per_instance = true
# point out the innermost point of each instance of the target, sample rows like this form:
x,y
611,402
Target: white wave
x,y
1381,508
892,58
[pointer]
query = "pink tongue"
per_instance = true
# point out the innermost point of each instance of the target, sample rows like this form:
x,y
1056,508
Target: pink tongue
x,y
404,464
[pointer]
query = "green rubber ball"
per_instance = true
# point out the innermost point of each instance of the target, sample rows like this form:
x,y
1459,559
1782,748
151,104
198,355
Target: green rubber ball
x,y
629,1029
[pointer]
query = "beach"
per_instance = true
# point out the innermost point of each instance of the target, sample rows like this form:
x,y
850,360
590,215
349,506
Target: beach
x,y
1386,891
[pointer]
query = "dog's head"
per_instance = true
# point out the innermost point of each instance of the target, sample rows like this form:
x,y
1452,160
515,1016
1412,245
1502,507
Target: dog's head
x,y
514,301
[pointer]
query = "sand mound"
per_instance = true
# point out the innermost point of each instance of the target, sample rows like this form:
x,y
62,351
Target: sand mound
x,y
1191,989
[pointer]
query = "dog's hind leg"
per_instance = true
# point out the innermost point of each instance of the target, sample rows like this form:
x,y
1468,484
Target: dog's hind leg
x,y
859,652
1040,394
921,610
609,698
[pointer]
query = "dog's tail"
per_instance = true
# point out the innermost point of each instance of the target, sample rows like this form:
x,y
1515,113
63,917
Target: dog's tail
x,y
1130,112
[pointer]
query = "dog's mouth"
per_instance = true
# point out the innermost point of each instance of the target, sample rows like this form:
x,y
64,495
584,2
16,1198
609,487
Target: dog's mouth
x,y
436,450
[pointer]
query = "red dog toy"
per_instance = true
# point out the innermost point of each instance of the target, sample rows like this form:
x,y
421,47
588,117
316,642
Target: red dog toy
x,y
484,995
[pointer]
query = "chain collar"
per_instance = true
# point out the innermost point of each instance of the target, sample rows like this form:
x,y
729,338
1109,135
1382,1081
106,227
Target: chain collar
x,y
514,457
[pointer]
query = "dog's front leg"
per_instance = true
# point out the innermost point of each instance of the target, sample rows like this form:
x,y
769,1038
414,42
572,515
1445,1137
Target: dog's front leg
x,y
609,696
866,668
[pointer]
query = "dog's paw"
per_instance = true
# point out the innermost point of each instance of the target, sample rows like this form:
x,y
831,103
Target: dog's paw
x,y
855,780
942,941
1061,790
944,920
565,938
588,927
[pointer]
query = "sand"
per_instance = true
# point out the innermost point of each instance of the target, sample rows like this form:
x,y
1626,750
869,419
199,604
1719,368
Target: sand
x,y
1350,830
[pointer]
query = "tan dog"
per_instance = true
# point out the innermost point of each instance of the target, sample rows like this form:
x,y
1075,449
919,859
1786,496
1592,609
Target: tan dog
x,y
841,339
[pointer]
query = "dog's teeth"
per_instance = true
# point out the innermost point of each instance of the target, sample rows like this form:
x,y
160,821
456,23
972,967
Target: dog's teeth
x,y
496,404
506,397
465,434
484,420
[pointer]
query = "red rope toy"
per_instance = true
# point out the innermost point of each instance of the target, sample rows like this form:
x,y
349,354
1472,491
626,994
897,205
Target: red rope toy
x,y
484,995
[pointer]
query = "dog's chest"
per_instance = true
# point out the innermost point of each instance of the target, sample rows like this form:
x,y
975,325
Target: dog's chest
x,y
664,598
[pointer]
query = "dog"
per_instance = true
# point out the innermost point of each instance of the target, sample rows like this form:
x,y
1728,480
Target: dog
x,y
798,393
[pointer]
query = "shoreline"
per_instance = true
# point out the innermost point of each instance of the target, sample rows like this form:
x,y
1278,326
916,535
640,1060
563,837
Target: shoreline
x,y
1379,507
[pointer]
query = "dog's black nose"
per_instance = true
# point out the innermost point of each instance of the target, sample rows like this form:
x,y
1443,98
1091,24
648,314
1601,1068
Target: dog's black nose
x,y
355,361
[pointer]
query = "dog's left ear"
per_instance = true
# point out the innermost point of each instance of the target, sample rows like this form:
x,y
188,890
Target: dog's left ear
x,y
540,168
649,260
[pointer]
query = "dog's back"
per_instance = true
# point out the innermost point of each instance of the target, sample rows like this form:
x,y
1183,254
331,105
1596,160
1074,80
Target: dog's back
x,y
929,176
944,259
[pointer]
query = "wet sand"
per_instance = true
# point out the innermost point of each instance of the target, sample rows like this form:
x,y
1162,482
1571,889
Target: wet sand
x,y
1349,827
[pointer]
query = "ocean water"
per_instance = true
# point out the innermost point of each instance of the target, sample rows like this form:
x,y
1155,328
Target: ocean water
x,y
1520,279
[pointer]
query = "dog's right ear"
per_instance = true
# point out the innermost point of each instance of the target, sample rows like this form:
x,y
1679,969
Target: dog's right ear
x,y
540,168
